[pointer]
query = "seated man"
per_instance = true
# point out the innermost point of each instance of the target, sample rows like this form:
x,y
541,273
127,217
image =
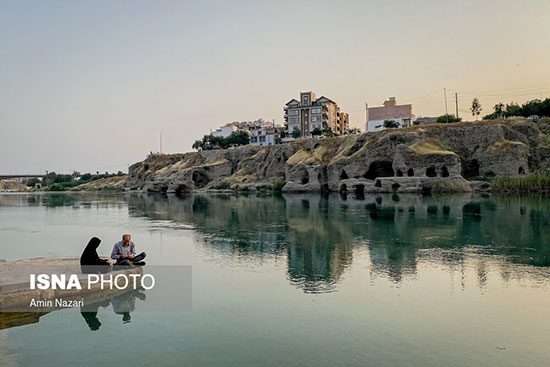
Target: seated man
x,y
124,252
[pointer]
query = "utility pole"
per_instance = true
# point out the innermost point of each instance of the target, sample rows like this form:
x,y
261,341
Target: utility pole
x,y
456,102
161,142
446,110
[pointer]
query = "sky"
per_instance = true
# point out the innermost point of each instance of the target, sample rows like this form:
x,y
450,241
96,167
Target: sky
x,y
90,85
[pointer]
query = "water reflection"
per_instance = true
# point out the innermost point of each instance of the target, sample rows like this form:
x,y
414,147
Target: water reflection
x,y
123,304
318,234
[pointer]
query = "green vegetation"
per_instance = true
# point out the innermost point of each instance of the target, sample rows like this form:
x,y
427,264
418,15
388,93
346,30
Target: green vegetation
x,y
31,182
390,124
278,186
448,118
443,145
316,132
296,133
222,185
476,108
534,183
64,185
62,182
535,107
209,142
327,132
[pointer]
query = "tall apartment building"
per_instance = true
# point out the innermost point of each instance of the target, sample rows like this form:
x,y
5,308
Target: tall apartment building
x,y
310,112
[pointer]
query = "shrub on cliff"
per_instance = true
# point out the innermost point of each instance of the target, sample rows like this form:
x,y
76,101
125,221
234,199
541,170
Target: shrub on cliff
x,y
278,186
534,107
390,124
448,118
209,142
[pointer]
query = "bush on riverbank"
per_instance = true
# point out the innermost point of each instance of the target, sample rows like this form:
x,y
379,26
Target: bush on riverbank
x,y
534,183
63,186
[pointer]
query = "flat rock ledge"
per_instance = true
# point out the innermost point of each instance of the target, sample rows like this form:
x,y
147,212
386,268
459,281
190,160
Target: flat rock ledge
x,y
15,289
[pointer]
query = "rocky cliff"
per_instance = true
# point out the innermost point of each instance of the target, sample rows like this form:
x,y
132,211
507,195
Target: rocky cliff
x,y
439,157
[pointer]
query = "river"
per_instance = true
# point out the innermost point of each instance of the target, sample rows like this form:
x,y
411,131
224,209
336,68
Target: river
x,y
296,280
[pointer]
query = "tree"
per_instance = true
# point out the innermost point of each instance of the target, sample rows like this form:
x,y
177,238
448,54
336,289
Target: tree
x,y
513,109
31,182
499,109
316,132
296,133
198,145
476,108
237,138
391,124
448,118
86,177
327,131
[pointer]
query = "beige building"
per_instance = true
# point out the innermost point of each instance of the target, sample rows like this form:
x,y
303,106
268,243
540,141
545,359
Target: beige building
x,y
401,114
310,113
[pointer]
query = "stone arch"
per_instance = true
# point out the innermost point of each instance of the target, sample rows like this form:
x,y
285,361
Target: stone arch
x,y
399,173
378,183
199,178
470,169
343,188
180,190
303,177
344,175
444,171
410,172
521,171
359,190
379,169
430,172
395,187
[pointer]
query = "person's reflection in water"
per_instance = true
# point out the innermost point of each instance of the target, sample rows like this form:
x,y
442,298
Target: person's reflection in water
x,y
122,304
125,303
91,316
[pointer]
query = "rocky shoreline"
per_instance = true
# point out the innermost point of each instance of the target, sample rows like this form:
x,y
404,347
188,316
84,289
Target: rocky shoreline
x,y
429,158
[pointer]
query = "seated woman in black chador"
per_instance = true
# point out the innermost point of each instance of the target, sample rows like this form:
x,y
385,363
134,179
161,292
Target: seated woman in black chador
x,y
90,261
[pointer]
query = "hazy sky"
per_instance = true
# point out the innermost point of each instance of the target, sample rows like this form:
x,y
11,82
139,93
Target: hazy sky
x,y
89,85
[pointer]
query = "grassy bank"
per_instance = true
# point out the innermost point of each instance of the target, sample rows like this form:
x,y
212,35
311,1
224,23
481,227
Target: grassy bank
x,y
538,182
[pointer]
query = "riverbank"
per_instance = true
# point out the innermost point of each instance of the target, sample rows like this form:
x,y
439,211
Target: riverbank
x,y
15,289
423,159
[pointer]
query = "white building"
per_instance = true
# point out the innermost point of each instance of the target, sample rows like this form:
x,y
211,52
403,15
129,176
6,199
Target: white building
x,y
225,130
267,134
261,132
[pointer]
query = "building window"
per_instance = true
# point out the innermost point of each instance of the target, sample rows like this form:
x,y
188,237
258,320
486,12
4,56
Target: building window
x,y
315,118
262,139
293,119
253,139
316,110
293,113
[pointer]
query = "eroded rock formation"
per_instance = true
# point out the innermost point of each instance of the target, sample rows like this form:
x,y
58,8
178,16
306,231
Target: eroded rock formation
x,y
439,157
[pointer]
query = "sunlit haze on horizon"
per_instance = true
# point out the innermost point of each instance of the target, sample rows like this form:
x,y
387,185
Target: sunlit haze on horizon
x,y
89,86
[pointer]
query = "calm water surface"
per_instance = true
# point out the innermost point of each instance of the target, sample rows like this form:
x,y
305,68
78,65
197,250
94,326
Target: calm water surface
x,y
300,280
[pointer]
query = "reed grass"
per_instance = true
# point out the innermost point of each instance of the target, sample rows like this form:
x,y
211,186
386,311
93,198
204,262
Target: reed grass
x,y
538,182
